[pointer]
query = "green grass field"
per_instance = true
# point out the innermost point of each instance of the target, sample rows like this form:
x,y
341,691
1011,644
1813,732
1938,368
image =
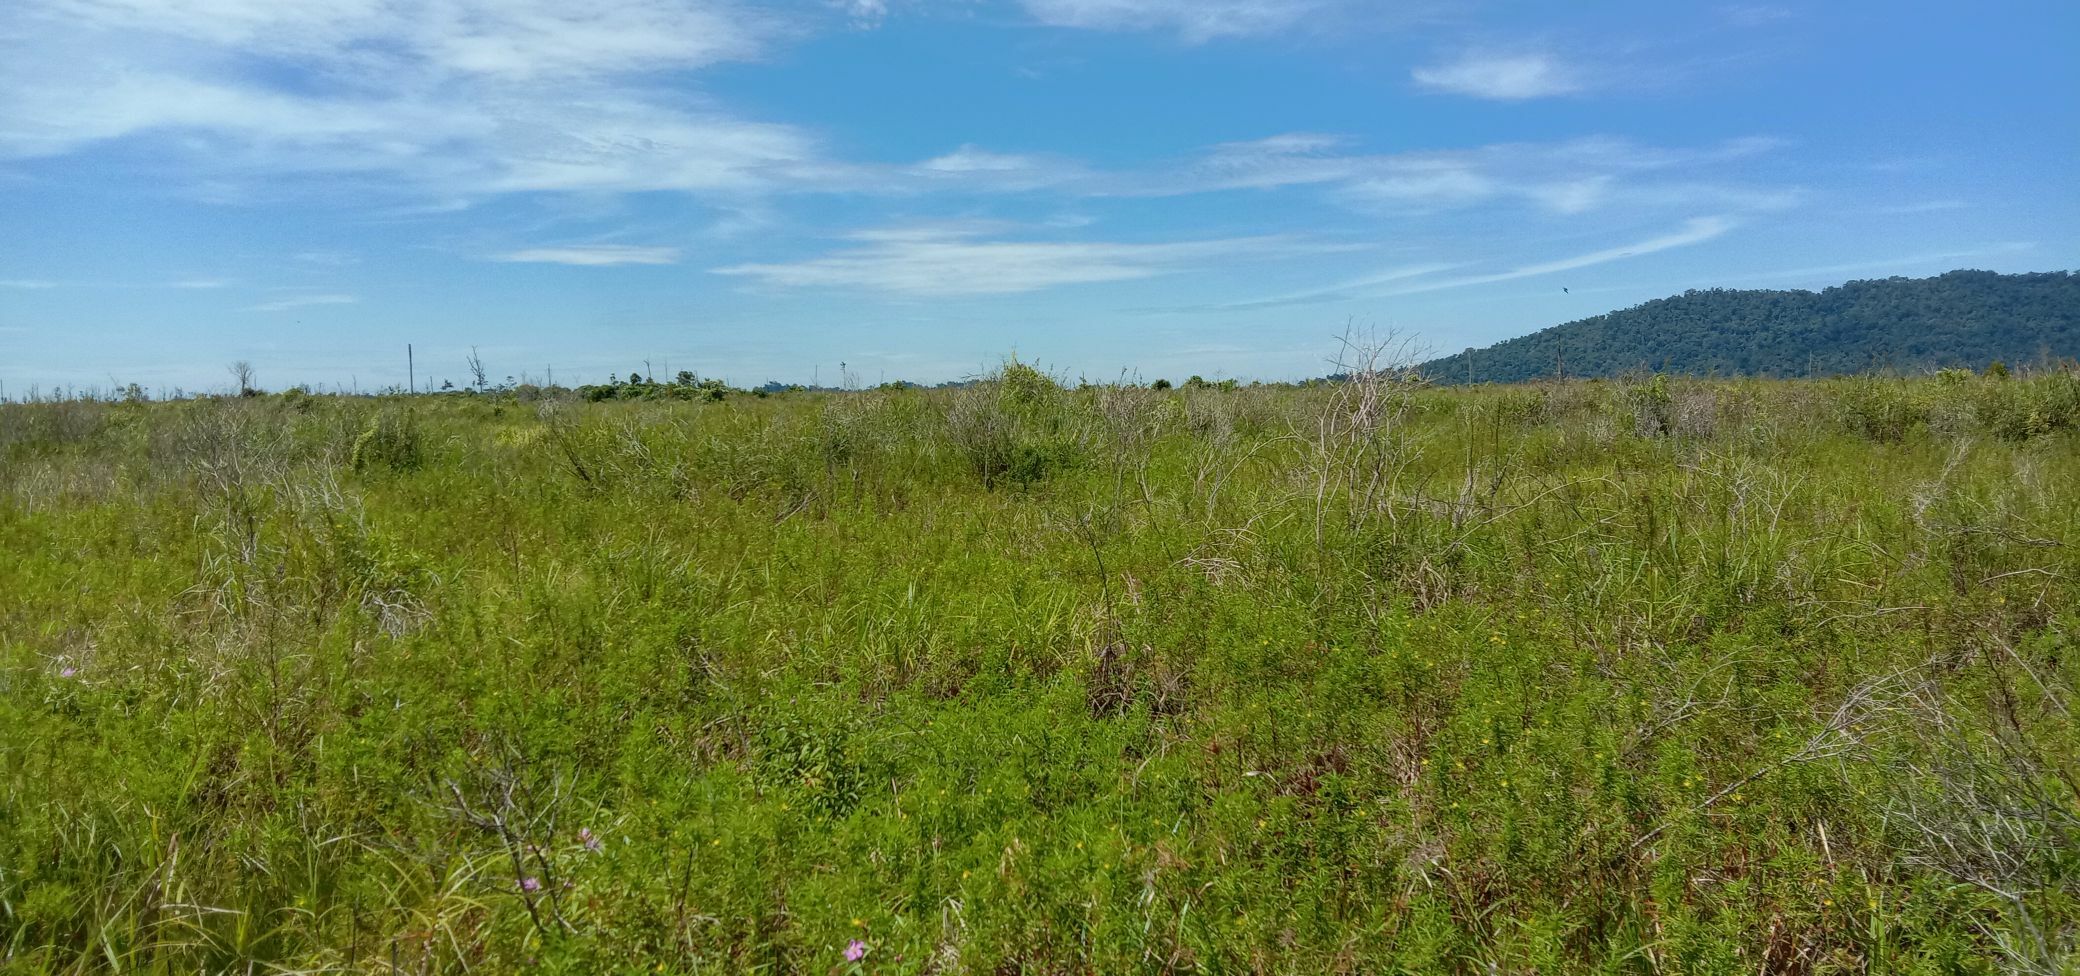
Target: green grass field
x,y
1661,676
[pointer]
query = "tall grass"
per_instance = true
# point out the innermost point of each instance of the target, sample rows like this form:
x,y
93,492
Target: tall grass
x,y
1643,676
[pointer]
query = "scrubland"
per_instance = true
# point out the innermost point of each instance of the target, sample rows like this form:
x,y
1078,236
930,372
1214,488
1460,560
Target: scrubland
x,y
1643,676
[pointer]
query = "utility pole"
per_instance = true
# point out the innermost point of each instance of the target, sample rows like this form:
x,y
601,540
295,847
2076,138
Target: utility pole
x,y
411,371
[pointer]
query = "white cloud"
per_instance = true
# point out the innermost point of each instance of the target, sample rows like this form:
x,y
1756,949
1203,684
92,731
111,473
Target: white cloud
x,y
1421,278
446,38
1694,231
328,259
1426,183
1313,296
1195,20
945,262
971,167
864,13
1922,207
1572,177
1754,14
1507,77
1282,160
1924,260
595,255
303,301
458,98
197,284
29,284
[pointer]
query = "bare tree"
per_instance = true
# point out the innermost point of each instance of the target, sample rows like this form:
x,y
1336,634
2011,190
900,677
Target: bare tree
x,y
242,373
476,367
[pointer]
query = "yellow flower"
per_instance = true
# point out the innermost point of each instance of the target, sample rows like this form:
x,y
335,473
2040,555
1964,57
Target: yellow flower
x,y
859,923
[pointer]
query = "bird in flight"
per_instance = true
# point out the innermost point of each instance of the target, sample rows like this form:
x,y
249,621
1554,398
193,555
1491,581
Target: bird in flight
x,y
1563,290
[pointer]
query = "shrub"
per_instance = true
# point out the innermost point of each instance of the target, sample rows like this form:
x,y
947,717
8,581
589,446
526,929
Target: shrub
x,y
1012,427
391,440
1881,409
1651,406
2030,408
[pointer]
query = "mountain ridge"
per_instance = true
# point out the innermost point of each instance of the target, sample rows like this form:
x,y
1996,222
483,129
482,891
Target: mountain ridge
x,y
1965,318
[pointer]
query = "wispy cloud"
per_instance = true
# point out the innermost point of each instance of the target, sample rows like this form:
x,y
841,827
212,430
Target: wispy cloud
x,y
459,97
1315,296
1503,76
328,259
948,262
1921,207
455,101
1695,231
1416,279
198,284
595,255
303,301
36,284
1754,14
1833,271
1194,20
1571,177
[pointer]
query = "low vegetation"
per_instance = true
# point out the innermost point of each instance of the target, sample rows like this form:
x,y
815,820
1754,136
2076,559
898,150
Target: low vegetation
x,y
1641,676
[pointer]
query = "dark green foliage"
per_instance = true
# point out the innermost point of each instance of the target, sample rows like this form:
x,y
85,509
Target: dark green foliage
x,y
1964,318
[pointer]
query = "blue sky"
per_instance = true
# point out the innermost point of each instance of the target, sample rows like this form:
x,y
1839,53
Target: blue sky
x,y
918,187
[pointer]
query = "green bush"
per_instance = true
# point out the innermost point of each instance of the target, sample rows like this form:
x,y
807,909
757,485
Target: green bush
x,y
1879,408
2021,409
391,441
1014,428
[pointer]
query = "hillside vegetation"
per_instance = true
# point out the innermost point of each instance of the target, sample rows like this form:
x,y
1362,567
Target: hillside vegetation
x,y
1668,676
1965,318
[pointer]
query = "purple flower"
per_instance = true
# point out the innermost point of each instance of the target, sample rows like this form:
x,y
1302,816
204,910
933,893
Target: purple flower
x,y
68,672
855,951
591,842
530,884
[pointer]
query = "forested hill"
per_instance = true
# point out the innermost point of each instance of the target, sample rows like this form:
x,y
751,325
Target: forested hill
x,y
1964,318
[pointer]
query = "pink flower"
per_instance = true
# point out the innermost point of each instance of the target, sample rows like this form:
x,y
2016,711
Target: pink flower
x,y
591,842
68,672
530,884
856,951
